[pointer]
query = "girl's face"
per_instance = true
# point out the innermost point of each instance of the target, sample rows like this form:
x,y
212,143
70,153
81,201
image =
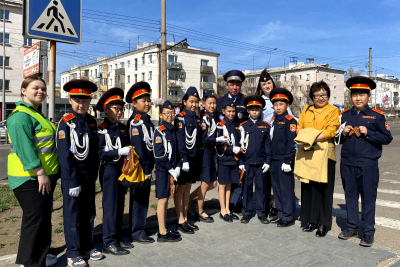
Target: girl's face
x,y
210,104
280,107
254,112
267,87
142,104
229,112
114,113
320,98
35,93
192,103
167,115
80,106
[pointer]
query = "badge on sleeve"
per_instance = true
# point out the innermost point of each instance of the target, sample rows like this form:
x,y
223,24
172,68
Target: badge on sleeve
x,y
203,126
293,127
180,125
158,140
61,134
387,126
135,131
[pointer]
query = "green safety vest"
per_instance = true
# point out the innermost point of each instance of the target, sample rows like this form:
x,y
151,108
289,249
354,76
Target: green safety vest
x,y
45,144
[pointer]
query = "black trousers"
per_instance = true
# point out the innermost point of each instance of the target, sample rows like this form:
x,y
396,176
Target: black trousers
x,y
317,199
35,239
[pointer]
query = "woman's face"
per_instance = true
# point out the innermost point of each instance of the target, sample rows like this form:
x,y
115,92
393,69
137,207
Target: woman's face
x,y
320,98
210,104
35,93
192,103
267,87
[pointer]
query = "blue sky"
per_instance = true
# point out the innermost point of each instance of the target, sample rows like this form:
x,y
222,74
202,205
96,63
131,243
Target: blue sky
x,y
335,32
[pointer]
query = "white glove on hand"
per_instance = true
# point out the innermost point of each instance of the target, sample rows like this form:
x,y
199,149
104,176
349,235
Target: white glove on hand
x,y
241,167
125,151
149,176
178,171
174,174
286,167
265,167
185,167
221,139
74,192
236,149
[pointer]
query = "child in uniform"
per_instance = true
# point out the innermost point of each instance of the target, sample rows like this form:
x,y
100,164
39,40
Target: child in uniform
x,y
112,147
166,161
256,145
363,132
283,133
77,147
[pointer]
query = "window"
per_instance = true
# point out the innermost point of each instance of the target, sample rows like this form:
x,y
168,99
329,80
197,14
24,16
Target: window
x,y
151,58
110,82
7,40
110,68
334,88
27,42
300,99
172,75
204,62
6,63
122,65
150,75
136,64
129,64
143,76
308,88
327,76
204,78
172,92
100,68
381,85
292,89
334,77
284,78
116,66
104,81
7,84
91,72
129,78
300,88
172,58
308,77
143,61
299,77
7,13
334,99
278,78
95,72
292,78
135,78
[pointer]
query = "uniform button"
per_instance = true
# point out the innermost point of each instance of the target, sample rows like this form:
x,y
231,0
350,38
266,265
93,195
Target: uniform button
x,y
80,133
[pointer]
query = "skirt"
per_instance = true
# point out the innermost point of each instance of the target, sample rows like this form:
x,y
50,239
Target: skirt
x,y
228,174
208,170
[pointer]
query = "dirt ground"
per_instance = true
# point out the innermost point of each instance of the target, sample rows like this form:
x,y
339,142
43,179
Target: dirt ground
x,y
10,220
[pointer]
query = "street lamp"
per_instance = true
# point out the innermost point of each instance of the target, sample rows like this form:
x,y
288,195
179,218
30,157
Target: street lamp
x,y
268,56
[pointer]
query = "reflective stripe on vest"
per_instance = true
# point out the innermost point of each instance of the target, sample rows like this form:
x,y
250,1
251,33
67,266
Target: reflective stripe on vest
x,y
45,144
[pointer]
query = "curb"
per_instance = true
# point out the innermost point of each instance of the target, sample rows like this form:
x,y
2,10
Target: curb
x,y
8,259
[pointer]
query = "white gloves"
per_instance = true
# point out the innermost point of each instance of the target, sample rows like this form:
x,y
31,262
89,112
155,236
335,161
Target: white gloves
x,y
149,176
236,149
221,139
265,167
241,167
185,167
286,167
124,151
74,192
174,174
178,171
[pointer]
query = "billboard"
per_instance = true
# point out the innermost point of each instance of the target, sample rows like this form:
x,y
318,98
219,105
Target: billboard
x,y
383,98
33,59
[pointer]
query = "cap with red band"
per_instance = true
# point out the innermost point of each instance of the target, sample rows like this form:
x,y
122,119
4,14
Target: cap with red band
x,y
140,92
279,97
137,90
254,100
112,96
81,89
360,83
111,99
254,103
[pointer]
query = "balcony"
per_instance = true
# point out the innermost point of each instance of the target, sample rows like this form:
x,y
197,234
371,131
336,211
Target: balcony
x,y
174,65
174,98
174,84
84,77
396,99
206,69
206,86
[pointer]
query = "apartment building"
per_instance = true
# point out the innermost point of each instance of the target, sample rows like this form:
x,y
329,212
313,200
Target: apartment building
x,y
386,94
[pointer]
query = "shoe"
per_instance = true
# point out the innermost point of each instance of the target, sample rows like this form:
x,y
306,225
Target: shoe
x,y
284,223
168,238
207,219
76,262
169,229
193,226
125,245
276,220
144,240
94,255
115,249
348,233
233,216
310,227
185,228
273,213
245,219
226,218
367,240
322,231
51,260
263,219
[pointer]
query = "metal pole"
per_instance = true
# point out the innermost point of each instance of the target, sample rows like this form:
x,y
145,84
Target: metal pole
x,y
3,112
370,63
52,78
159,71
163,50
44,104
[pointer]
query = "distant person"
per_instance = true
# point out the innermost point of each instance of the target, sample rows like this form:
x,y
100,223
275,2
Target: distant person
x,y
365,131
32,172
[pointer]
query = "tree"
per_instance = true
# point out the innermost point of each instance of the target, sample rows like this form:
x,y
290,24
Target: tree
x,y
300,93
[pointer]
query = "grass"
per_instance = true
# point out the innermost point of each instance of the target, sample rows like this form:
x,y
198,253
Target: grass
x,y
154,206
1,245
11,243
4,207
57,195
7,198
61,223
59,230
60,215
11,218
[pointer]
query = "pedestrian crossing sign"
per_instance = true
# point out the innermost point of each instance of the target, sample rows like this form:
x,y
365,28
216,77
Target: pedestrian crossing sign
x,y
59,20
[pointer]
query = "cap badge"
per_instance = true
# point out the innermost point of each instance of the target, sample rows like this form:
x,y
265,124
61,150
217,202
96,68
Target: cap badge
x,y
254,102
195,94
143,91
265,79
212,93
358,85
169,106
80,91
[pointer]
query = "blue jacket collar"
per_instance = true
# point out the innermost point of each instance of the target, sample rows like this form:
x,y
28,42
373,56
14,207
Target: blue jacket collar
x,y
189,113
80,118
144,117
167,125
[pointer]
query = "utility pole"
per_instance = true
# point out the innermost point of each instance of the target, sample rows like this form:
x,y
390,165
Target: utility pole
x,y
253,62
129,45
159,70
3,107
52,78
370,63
163,51
138,39
44,103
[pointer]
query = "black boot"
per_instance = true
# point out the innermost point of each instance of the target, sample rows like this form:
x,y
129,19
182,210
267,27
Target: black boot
x,y
322,231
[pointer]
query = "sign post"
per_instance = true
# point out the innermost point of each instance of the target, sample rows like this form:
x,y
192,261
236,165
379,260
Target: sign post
x,y
56,21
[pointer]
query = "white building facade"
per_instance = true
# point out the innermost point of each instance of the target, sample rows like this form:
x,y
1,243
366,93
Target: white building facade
x,y
386,94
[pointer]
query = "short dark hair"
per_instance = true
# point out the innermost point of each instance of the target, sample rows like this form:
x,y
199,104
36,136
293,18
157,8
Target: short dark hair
x,y
207,97
368,92
225,106
318,86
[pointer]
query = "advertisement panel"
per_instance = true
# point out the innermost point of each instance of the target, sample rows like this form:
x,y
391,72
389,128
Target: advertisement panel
x,y
382,98
32,60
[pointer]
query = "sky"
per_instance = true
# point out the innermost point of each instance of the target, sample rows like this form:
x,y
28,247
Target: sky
x,y
245,33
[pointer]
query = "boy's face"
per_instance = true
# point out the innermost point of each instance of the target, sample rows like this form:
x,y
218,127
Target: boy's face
x,y
114,113
254,112
280,107
80,106
229,112
142,104
360,100
168,115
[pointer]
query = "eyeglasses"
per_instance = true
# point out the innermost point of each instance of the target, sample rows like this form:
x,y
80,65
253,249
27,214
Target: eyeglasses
x,y
320,96
168,114
116,109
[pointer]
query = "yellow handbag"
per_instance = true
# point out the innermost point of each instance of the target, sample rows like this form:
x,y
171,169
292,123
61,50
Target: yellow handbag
x,y
132,172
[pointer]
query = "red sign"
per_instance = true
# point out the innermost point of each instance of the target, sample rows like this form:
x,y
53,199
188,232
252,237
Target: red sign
x,y
31,60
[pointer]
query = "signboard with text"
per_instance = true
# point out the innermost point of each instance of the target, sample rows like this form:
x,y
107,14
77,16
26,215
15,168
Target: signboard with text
x,y
33,59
